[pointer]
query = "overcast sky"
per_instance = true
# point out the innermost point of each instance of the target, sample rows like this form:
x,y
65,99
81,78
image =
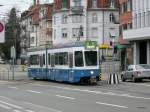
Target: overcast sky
x,y
21,5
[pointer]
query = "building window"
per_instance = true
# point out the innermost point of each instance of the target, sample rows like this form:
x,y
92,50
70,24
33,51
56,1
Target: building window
x,y
64,19
124,7
75,32
94,32
94,18
111,17
135,21
77,3
129,26
64,32
76,19
32,40
140,21
148,18
54,20
54,34
94,3
144,19
112,4
64,3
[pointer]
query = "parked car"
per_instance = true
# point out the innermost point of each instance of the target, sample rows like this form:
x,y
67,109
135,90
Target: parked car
x,y
136,73
2,61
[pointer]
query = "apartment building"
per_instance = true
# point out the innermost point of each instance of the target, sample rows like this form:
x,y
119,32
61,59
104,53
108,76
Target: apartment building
x,y
80,20
125,19
138,33
37,22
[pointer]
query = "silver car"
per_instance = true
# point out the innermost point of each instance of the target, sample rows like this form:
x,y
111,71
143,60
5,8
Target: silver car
x,y
136,73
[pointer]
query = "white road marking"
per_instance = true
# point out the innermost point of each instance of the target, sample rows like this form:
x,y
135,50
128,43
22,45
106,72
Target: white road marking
x,y
4,106
34,91
112,105
71,98
29,110
43,107
12,105
147,85
95,92
16,111
13,87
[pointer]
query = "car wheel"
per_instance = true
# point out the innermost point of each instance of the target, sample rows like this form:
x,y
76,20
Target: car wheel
x,y
134,79
123,79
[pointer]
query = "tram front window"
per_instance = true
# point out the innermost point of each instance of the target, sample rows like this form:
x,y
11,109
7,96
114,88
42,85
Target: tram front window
x,y
79,59
91,58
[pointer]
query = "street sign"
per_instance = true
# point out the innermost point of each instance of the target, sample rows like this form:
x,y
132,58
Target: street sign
x,y
90,44
13,52
2,32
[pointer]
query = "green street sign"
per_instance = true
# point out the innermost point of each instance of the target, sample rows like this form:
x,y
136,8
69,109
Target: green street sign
x,y
90,44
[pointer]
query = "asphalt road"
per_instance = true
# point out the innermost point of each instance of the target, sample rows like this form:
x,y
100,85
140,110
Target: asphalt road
x,y
44,96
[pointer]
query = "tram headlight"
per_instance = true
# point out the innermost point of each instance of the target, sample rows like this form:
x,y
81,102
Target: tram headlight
x,y
92,72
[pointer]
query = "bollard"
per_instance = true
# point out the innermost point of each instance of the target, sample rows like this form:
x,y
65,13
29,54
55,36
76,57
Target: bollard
x,y
113,79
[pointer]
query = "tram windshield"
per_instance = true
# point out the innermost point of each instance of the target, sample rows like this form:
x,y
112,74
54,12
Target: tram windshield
x,y
79,59
90,58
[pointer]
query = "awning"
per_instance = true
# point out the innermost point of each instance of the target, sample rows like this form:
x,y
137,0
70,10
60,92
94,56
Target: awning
x,y
104,46
120,46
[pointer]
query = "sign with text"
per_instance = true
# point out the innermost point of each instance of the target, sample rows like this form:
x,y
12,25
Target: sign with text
x,y
90,44
2,32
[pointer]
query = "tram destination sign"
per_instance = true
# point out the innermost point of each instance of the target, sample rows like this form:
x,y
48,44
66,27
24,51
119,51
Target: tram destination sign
x,y
90,44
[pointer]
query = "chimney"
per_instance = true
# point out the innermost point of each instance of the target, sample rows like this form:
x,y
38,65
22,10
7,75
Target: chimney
x,y
34,2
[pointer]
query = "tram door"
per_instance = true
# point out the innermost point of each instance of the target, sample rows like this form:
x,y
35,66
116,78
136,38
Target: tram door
x,y
70,67
41,67
52,73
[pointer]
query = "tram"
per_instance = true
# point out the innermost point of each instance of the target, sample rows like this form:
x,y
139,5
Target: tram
x,y
73,64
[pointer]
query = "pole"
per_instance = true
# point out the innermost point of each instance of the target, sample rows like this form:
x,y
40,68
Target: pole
x,y
13,55
13,71
103,41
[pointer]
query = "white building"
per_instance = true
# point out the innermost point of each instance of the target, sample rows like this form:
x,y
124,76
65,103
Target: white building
x,y
139,35
85,20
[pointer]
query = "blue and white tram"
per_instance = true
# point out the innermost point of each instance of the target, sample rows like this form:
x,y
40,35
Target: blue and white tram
x,y
68,64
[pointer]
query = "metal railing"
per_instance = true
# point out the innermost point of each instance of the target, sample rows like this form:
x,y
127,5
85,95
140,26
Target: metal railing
x,y
6,72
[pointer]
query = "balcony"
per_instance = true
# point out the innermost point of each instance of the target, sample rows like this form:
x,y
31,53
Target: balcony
x,y
137,34
77,10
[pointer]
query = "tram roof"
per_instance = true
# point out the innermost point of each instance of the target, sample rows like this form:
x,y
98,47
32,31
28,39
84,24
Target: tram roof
x,y
68,45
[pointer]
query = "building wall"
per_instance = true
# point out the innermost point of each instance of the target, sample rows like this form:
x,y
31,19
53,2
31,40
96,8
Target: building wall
x,y
140,28
86,23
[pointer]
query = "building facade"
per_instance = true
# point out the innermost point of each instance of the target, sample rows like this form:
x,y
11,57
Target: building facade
x,y
138,33
37,22
36,26
45,24
125,20
80,20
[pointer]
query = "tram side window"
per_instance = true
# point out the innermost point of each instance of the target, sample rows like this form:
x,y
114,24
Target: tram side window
x,y
56,59
43,59
49,59
91,58
34,60
61,58
79,59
